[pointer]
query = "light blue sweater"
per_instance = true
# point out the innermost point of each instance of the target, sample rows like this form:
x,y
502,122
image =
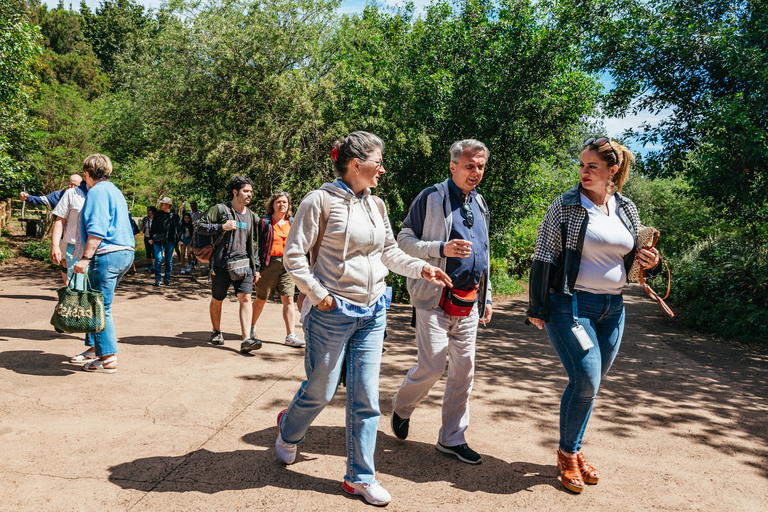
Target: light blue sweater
x,y
105,215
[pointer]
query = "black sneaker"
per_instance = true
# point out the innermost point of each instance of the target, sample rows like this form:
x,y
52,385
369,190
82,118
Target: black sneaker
x,y
166,282
156,283
400,426
217,338
249,344
463,452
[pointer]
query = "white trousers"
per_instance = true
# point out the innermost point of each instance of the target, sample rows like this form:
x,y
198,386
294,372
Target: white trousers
x,y
439,336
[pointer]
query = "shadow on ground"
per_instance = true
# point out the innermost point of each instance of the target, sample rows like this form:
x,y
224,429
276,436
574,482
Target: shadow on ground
x,y
210,472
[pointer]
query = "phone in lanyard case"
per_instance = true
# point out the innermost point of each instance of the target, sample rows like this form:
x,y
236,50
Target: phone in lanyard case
x,y
582,337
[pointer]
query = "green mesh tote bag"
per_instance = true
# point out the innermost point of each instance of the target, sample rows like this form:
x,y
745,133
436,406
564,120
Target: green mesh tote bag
x,y
79,311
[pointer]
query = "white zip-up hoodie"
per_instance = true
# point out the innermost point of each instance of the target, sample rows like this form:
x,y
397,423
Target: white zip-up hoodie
x,y
357,252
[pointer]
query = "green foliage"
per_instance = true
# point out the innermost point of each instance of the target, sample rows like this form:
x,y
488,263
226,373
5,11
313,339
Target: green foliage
x,y
5,252
235,88
114,30
498,72
19,55
140,251
38,250
65,136
504,285
670,206
721,286
67,57
706,63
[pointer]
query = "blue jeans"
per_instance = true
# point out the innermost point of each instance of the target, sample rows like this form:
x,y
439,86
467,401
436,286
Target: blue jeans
x,y
329,335
105,272
160,248
602,316
79,283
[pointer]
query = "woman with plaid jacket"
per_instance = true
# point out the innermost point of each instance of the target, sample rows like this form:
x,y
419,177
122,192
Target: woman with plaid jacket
x,y
586,245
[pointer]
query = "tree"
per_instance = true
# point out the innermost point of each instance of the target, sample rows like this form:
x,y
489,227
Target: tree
x,y
67,57
233,88
19,55
66,134
706,62
112,31
499,72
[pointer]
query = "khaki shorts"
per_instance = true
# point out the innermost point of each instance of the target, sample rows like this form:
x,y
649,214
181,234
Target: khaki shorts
x,y
274,277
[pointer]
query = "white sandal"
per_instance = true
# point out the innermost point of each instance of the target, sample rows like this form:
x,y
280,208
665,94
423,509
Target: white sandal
x,y
97,366
85,357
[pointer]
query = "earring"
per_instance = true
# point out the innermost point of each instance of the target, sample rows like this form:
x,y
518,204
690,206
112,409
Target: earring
x,y
357,172
610,187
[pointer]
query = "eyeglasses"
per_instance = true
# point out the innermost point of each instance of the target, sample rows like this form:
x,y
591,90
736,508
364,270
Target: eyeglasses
x,y
601,142
283,192
469,216
378,164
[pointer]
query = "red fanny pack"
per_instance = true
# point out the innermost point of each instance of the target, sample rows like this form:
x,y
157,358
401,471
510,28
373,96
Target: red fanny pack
x,y
458,302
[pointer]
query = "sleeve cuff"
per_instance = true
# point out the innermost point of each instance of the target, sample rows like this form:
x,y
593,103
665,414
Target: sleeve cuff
x,y
442,251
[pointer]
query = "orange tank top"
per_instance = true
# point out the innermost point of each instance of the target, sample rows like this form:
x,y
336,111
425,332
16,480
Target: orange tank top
x,y
281,233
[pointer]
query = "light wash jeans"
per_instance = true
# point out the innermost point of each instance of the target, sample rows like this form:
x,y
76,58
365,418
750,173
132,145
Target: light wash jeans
x,y
160,248
104,274
602,316
79,283
328,336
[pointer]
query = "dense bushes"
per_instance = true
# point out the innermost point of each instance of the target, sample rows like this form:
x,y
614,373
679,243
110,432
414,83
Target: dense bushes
x,y
720,285
719,271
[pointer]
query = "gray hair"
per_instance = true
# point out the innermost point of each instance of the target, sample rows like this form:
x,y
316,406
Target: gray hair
x,y
475,146
358,145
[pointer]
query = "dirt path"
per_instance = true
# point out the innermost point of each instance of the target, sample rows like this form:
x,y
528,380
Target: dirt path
x,y
680,423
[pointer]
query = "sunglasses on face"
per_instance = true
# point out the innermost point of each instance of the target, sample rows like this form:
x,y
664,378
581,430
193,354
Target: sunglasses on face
x,y
598,143
469,216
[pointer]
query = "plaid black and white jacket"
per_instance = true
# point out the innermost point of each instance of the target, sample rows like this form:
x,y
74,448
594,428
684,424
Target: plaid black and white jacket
x,y
559,243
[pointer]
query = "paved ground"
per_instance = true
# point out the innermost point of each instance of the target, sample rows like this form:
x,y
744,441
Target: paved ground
x,y
680,423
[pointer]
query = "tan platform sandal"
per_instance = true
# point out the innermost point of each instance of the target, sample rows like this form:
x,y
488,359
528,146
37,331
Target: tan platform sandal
x,y
570,475
588,472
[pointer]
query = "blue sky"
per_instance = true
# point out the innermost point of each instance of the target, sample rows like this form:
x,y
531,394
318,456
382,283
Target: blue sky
x,y
615,126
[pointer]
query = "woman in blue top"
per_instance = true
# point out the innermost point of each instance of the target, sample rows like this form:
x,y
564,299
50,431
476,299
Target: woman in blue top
x,y
105,225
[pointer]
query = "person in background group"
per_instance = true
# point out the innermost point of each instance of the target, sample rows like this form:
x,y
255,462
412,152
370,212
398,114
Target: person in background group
x,y
65,236
575,288
196,216
146,228
166,230
448,225
187,228
235,258
273,232
348,315
66,229
52,199
108,253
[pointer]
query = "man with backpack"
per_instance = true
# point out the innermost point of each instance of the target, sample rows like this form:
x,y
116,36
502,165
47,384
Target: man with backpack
x,y
235,259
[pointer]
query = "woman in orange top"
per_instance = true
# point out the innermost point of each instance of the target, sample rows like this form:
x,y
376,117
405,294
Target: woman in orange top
x,y
273,231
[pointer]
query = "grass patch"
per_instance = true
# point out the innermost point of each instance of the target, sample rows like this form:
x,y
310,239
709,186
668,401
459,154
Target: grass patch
x,y
38,250
5,252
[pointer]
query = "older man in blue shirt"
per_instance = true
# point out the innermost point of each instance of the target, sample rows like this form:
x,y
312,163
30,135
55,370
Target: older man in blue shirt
x,y
447,225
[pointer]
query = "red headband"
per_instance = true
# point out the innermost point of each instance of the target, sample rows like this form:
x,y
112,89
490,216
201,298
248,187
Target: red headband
x,y
335,154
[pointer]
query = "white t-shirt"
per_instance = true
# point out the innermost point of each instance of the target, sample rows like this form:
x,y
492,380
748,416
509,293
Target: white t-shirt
x,y
606,243
69,208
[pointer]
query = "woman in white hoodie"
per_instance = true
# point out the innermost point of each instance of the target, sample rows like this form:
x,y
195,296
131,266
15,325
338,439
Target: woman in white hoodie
x,y
348,313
